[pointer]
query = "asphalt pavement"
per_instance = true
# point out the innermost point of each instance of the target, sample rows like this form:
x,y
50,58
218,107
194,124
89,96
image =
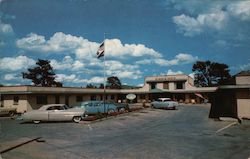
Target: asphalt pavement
x,y
149,133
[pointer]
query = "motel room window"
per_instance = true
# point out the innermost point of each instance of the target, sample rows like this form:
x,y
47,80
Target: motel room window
x,y
79,99
57,99
153,85
166,85
67,100
142,96
42,99
16,100
93,97
1,100
179,85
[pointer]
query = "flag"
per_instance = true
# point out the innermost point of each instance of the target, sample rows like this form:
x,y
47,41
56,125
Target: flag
x,y
100,51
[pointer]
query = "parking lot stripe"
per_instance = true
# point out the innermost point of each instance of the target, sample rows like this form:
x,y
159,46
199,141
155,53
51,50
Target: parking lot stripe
x,y
18,145
229,125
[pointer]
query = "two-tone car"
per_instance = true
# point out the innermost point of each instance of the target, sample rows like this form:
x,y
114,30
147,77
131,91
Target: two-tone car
x,y
164,103
54,112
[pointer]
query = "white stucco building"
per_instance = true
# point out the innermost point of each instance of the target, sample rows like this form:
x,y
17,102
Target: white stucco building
x,y
178,87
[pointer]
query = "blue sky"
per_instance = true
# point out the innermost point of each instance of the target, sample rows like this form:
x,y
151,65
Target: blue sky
x,y
143,37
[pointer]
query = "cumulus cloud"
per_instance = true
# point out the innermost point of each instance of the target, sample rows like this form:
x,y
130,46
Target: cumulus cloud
x,y
65,78
5,29
16,63
245,67
67,63
6,33
197,7
240,9
82,48
10,76
115,48
191,26
116,68
59,42
179,59
170,72
207,15
76,79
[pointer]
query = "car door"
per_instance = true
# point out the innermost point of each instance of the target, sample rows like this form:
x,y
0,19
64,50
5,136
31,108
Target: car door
x,y
57,113
159,103
96,107
89,107
166,103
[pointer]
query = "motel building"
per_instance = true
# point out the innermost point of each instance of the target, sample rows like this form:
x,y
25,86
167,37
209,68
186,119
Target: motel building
x,y
232,100
178,87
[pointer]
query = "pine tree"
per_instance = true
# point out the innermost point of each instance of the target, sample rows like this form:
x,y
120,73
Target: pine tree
x,y
42,74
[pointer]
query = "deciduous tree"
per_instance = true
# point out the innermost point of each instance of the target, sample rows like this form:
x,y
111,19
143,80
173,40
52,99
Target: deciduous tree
x,y
209,73
114,82
90,86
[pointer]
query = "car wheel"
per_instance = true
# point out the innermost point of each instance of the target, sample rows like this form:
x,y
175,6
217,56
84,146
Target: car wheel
x,y
36,121
122,110
11,113
77,119
111,111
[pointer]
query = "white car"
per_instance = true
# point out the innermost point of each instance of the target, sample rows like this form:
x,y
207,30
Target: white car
x,y
164,103
7,111
54,112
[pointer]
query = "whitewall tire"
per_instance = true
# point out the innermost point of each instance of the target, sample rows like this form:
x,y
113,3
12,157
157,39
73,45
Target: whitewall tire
x,y
77,119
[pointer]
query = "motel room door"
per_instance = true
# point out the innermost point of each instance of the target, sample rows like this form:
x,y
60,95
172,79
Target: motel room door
x,y
67,99
223,104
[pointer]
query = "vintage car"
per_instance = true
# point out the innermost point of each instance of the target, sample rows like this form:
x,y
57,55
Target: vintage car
x,y
95,107
164,103
54,112
7,111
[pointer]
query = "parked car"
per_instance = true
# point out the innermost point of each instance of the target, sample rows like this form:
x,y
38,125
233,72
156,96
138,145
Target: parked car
x,y
164,103
95,107
7,111
54,112
122,107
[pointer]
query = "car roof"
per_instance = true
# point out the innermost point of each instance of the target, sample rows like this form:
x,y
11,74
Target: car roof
x,y
45,107
164,98
91,101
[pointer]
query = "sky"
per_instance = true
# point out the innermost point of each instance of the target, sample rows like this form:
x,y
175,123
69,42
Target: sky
x,y
142,38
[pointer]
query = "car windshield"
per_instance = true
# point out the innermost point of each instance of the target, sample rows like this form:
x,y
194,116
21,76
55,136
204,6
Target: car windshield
x,y
55,108
159,100
66,107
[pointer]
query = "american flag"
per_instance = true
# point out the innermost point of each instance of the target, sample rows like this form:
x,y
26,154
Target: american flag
x,y
100,51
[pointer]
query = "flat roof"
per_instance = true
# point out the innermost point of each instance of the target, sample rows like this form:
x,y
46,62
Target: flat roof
x,y
243,86
78,90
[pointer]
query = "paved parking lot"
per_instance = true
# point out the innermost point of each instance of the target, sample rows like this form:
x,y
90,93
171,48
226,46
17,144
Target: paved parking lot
x,y
149,133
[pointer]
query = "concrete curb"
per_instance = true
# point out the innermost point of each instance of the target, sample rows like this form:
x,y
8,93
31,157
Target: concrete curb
x,y
228,119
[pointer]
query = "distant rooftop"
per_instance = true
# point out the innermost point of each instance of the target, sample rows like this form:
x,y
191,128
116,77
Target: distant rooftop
x,y
244,73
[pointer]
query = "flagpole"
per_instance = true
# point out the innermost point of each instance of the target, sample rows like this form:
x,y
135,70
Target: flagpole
x,y
104,74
